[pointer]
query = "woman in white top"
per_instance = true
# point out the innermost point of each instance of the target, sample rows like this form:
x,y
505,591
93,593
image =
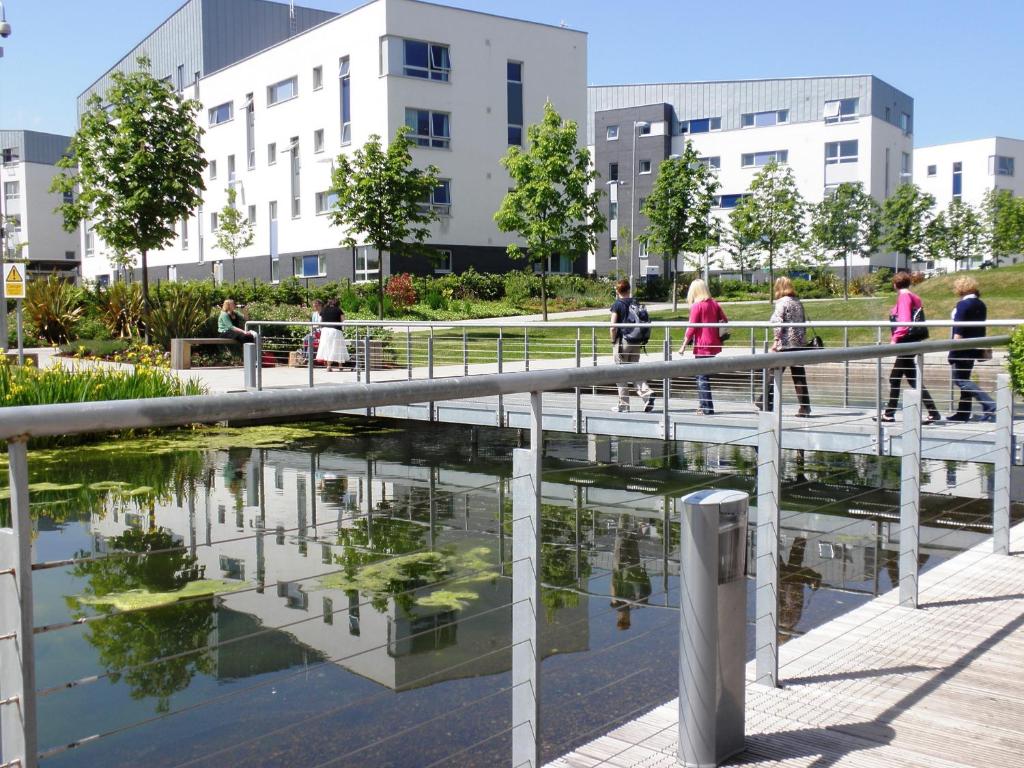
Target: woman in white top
x,y
333,349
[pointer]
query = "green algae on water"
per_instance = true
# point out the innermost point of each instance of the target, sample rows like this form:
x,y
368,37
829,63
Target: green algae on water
x,y
136,599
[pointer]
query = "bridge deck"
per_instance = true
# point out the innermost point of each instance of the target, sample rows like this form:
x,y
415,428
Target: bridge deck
x,y
881,686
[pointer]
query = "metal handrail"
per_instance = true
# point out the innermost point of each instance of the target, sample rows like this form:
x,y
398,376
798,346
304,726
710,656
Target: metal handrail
x,y
550,324
76,418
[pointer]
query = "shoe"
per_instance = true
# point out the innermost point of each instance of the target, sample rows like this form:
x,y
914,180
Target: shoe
x,y
932,418
988,418
620,409
757,404
650,404
702,412
959,417
804,412
885,417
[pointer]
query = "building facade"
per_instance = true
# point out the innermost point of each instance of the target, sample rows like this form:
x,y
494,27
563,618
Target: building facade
x,y
828,130
467,84
967,171
32,228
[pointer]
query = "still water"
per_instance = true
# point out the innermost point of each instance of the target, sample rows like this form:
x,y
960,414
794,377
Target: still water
x,y
338,594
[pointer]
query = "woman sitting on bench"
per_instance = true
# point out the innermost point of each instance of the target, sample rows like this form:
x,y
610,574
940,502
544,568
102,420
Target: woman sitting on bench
x,y
231,324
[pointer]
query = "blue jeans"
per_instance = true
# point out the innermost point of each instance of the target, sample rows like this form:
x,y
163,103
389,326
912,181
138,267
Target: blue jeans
x,y
962,378
704,393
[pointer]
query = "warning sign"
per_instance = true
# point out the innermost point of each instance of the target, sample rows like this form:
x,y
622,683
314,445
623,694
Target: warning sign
x,y
14,281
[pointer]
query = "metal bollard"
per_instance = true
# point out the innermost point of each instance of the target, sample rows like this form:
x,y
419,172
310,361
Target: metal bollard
x,y
250,364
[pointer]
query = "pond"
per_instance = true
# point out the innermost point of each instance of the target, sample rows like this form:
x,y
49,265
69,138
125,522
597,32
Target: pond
x,y
338,593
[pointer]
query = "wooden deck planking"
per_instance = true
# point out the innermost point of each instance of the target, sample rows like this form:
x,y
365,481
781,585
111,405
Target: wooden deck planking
x,y
880,686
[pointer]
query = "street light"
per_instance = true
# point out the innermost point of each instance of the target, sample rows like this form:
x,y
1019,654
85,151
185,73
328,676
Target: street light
x,y
5,31
5,26
637,125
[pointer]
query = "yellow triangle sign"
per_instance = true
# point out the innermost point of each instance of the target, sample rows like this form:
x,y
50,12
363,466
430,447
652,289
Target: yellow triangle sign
x,y
14,276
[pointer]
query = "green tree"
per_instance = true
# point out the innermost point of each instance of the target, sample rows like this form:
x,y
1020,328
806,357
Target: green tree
x,y
384,199
1003,221
844,223
679,210
549,206
904,219
137,162
743,251
234,231
955,233
772,214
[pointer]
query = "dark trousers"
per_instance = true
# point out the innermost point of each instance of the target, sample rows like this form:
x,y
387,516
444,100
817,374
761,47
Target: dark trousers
x,y
239,335
905,367
799,374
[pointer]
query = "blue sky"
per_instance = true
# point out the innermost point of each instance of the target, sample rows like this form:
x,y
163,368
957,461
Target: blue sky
x,y
960,60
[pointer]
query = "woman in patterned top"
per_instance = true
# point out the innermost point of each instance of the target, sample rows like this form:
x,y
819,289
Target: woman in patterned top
x,y
788,309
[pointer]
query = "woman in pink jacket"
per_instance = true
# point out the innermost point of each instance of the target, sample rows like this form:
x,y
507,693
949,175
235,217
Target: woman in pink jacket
x,y
905,366
707,342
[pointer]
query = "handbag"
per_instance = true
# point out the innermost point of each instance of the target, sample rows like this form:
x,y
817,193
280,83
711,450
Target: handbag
x,y
985,353
816,341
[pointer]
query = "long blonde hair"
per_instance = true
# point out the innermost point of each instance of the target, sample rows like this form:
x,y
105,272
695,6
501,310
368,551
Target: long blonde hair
x,y
698,292
784,287
228,305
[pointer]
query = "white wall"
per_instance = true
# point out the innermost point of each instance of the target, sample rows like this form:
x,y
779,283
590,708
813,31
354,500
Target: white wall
x,y
41,227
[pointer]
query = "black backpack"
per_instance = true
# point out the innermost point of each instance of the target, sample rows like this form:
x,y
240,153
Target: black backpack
x,y
914,333
638,334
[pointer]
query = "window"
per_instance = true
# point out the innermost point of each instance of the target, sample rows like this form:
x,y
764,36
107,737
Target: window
x,y
90,241
905,122
761,159
728,201
282,91
906,167
222,113
213,169
250,132
325,201
710,162
328,603
172,273
643,129
346,101
181,78
213,222
272,153
765,119
612,133
184,234
442,262
999,165
440,201
644,166
309,266
318,140
429,129
318,78
841,110
272,210
613,171
933,170
293,147
251,215
10,156
958,180
353,612
841,152
69,255
613,211
68,197
701,125
514,99
427,60
367,264
275,269
12,190
231,167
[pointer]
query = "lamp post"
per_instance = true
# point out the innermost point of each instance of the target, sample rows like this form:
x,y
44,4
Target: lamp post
x,y
637,125
5,32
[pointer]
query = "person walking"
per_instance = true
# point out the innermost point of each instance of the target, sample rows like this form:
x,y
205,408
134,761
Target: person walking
x,y
789,337
624,352
970,308
231,324
908,305
707,341
311,340
333,348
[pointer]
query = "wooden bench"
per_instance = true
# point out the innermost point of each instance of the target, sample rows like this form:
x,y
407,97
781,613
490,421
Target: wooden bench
x,y
181,350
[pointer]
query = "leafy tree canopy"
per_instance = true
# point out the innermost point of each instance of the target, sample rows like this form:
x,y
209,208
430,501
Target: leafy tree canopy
x,y
234,231
905,216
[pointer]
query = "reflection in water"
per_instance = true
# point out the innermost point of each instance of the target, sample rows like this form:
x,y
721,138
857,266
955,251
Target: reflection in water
x,y
630,583
793,579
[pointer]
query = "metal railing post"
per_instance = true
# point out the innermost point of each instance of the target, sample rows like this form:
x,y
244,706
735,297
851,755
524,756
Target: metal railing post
x,y
259,359
846,370
408,353
1003,459
526,348
577,391
526,657
879,431
769,470
753,350
666,385
369,364
310,354
910,497
18,732
430,368
501,369
465,353
249,365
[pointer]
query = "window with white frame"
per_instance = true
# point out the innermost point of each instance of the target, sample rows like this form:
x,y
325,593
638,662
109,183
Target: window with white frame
x,y
250,132
218,272
710,162
612,133
90,241
213,221
514,102
613,210
440,201
1000,165
906,167
905,122
367,265
429,129
442,262
318,140
12,190
765,119
172,273
251,215
643,129
293,148
728,201
310,265
184,234
272,153
431,61
213,169
325,201
761,159
837,152
231,168
701,125
282,91
644,166
346,100
933,170
275,269
222,113
841,110
318,78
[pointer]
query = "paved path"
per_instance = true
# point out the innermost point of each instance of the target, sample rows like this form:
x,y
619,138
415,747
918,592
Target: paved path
x,y
881,686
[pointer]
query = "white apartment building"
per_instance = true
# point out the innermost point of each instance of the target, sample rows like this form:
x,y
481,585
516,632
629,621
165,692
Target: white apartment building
x,y
967,170
33,229
828,130
467,84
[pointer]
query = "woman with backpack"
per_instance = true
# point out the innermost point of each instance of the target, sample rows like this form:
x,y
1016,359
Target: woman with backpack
x,y
627,343
909,309
789,336
707,342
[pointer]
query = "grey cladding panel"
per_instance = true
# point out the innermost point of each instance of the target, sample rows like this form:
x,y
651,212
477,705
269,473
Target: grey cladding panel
x,y
35,147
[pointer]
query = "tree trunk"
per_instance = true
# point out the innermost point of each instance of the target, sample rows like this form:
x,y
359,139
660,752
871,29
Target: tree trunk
x,y
380,283
675,274
846,276
146,306
544,290
234,279
771,275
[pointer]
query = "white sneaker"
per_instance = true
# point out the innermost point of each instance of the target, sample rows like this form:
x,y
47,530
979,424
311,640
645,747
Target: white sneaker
x,y
620,409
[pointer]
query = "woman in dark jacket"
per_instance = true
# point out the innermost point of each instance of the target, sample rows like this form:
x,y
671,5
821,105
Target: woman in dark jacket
x,y
970,308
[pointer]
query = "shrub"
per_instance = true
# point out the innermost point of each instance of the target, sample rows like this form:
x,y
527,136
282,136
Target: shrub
x,y
863,285
519,287
435,298
1015,362
54,307
91,328
400,291
183,311
96,348
120,310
